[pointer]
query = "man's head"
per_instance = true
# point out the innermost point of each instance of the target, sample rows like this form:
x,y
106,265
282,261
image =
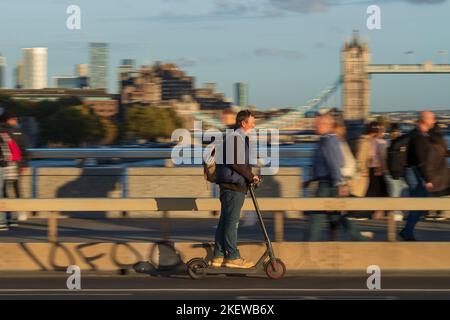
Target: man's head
x,y
426,120
13,121
324,124
245,120
374,129
395,130
8,118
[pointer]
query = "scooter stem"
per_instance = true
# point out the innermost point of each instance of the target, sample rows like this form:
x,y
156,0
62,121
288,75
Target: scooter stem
x,y
261,222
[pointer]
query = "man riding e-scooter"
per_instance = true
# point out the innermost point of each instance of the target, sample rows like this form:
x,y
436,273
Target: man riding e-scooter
x,y
233,179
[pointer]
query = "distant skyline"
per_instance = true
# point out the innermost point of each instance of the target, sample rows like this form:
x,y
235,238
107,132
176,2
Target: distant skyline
x,y
287,51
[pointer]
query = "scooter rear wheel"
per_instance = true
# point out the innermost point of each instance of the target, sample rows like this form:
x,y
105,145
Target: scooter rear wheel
x,y
196,268
275,274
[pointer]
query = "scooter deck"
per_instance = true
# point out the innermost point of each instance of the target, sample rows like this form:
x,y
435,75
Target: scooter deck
x,y
223,270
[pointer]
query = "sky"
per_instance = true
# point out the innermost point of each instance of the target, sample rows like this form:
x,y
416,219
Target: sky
x,y
287,51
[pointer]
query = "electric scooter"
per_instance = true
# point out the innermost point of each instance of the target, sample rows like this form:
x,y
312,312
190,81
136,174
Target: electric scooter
x,y
274,268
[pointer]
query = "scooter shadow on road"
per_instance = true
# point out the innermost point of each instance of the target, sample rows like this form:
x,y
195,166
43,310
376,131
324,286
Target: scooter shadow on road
x,y
164,261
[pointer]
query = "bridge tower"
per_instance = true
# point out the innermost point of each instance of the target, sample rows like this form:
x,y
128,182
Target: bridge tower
x,y
355,79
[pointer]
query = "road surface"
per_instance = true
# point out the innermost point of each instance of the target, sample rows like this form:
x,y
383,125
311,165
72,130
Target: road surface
x,y
301,287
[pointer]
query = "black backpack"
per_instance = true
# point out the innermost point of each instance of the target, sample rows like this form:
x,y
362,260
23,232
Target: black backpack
x,y
397,156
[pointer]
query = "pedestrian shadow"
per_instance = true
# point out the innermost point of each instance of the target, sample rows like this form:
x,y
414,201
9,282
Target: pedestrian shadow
x,y
91,183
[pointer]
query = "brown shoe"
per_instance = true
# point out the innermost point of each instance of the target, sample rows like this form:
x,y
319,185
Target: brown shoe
x,y
369,235
238,263
216,262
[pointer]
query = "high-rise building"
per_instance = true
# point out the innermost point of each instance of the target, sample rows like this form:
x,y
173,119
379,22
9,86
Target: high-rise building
x,y
81,70
35,72
2,71
127,66
98,68
18,75
241,94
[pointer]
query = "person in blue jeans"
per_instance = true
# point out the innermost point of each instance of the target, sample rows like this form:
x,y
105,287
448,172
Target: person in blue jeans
x,y
417,178
327,163
226,234
417,189
233,175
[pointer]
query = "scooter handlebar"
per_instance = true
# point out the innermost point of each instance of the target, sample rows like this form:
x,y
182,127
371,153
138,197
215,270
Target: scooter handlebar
x,y
256,185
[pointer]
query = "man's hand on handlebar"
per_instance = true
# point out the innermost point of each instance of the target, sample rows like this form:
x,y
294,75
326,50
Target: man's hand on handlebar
x,y
256,180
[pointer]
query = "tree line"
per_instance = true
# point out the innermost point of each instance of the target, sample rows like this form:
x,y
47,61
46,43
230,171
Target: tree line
x,y
66,122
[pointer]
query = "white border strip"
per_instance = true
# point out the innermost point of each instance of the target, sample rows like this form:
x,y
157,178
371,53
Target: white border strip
x,y
224,290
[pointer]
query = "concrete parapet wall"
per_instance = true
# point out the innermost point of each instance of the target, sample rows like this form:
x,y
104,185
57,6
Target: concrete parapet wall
x,y
298,256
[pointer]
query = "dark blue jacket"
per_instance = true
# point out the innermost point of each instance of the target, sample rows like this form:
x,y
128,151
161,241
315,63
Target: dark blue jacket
x,y
234,175
328,160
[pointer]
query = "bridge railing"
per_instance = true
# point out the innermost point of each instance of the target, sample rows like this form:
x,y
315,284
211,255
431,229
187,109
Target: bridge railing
x,y
210,204
139,153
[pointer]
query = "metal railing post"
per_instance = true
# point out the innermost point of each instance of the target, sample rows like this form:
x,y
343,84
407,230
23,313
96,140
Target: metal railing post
x,y
124,185
392,227
279,226
52,232
165,225
34,185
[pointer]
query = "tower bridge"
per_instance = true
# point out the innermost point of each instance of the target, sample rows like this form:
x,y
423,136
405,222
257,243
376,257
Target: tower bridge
x,y
355,84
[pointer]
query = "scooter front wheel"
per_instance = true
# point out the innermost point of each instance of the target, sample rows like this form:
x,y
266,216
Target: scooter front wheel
x,y
196,268
275,269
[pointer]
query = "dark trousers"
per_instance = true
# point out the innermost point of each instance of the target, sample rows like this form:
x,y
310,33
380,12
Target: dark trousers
x,y
231,203
377,185
417,189
377,188
326,190
10,190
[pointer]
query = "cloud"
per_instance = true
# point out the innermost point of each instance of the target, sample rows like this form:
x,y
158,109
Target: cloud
x,y
312,6
426,1
277,52
226,7
302,6
224,10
